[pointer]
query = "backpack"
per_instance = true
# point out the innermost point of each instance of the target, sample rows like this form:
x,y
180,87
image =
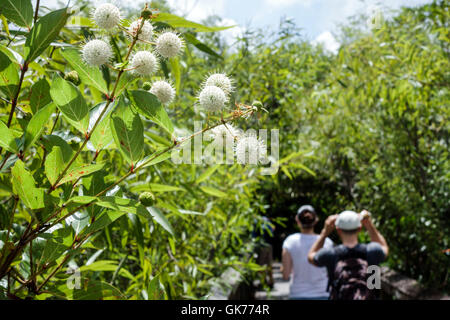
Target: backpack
x,y
349,279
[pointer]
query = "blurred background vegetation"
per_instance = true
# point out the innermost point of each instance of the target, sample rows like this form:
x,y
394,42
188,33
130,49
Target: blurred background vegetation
x,y
365,128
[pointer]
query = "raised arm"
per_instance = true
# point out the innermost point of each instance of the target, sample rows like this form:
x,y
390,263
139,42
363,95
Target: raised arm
x,y
374,234
326,231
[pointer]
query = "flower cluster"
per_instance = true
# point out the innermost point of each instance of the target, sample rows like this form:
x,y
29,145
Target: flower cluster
x,y
97,52
163,91
169,44
107,16
215,92
225,133
144,63
250,149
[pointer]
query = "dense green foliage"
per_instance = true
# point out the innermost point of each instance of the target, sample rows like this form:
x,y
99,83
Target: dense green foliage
x,y
371,125
365,128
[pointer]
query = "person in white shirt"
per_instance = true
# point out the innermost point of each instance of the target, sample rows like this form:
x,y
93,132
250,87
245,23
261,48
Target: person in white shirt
x,y
308,282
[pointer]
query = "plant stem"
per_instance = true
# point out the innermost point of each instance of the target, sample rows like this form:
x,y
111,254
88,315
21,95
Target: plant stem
x,y
88,135
16,200
36,11
54,123
16,97
6,159
154,156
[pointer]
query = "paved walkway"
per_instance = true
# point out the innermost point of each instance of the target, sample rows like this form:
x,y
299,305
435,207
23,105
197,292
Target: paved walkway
x,y
280,289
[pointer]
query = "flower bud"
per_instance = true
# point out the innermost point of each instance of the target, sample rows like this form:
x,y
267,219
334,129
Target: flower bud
x,y
146,86
73,77
147,199
146,14
257,104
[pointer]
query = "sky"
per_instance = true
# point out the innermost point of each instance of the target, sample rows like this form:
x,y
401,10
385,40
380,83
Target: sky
x,y
317,18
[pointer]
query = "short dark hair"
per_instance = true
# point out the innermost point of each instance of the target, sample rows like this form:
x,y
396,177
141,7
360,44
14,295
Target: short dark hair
x,y
350,232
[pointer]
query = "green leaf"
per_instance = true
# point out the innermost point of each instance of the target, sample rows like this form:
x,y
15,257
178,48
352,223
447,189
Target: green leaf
x,y
104,220
70,102
80,22
5,24
213,191
7,140
208,172
200,45
102,136
178,22
134,207
89,75
161,219
102,265
77,172
37,125
176,72
40,95
9,73
123,205
51,141
25,187
163,188
54,164
90,290
128,132
155,289
125,80
162,157
18,11
44,32
81,200
152,108
52,251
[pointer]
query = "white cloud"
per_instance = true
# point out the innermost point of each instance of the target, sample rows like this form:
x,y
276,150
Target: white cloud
x,y
231,34
328,41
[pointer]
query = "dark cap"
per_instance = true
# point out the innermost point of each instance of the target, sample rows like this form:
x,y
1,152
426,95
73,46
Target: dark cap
x,y
307,221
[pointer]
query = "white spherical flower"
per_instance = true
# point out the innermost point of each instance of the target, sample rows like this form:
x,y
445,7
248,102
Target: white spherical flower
x,y
107,16
226,133
163,91
146,30
144,63
212,98
250,149
97,52
168,44
220,80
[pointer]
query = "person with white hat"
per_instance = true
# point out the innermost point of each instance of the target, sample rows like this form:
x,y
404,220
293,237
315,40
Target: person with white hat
x,y
347,263
308,282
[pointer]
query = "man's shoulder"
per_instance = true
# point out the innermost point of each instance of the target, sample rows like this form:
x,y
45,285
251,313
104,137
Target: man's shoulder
x,y
291,239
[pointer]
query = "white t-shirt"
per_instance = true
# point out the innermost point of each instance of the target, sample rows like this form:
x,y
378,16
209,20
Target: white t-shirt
x,y
307,280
